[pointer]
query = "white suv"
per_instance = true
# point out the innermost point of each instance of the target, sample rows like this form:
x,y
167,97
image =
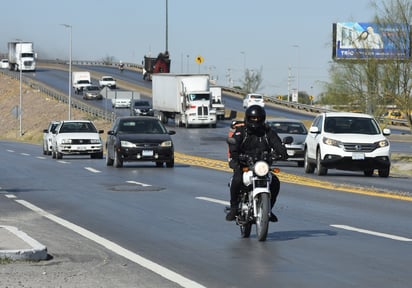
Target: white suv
x,y
347,141
253,99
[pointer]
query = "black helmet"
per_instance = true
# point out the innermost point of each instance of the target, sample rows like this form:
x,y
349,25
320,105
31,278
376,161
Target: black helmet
x,y
255,117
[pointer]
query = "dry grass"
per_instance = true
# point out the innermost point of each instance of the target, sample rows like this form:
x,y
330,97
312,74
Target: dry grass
x,y
38,110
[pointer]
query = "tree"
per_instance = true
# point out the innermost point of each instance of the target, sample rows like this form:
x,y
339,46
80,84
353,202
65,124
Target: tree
x,y
370,84
252,80
396,83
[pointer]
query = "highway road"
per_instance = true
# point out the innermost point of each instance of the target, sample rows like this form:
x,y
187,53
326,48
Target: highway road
x,y
329,234
174,218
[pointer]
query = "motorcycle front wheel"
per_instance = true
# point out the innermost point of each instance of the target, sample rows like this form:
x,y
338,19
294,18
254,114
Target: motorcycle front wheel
x,y
262,218
245,230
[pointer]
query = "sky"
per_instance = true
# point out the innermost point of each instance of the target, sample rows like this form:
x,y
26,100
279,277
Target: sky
x,y
289,41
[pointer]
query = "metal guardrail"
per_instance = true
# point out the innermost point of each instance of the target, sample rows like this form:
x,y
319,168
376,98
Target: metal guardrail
x,y
61,97
98,112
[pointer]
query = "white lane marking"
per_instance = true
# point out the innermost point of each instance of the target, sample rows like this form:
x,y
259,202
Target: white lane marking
x,y
63,162
25,154
139,183
214,200
156,268
11,151
92,169
10,196
390,236
41,157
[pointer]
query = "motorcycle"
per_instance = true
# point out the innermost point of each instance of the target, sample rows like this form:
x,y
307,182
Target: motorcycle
x,y
254,197
121,67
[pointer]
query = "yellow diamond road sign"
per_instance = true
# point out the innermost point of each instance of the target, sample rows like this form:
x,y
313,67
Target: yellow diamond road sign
x,y
199,59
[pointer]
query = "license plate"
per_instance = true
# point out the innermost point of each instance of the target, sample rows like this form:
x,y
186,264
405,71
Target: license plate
x,y
147,153
81,148
358,156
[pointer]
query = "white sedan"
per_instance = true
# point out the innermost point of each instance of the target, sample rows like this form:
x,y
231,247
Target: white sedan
x,y
77,137
4,63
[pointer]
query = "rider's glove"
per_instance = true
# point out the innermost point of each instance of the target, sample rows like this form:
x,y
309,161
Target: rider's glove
x,y
284,154
234,164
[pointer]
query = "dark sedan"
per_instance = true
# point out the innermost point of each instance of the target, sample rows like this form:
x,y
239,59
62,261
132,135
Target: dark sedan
x,y
92,92
139,138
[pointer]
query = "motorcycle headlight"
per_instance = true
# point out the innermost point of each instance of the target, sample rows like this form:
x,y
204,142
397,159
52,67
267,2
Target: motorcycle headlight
x,y
261,168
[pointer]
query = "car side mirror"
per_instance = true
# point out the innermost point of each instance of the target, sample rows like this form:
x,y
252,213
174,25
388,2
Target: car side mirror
x,y
110,132
287,140
314,130
386,131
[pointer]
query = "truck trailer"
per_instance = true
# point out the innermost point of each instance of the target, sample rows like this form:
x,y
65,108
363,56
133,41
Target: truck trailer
x,y
186,98
21,56
217,102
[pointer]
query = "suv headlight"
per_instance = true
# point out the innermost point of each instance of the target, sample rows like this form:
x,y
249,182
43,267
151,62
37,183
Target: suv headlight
x,y
382,143
66,141
95,141
332,142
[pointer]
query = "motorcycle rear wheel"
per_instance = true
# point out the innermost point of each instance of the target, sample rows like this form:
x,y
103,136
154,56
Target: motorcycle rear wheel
x,y
262,219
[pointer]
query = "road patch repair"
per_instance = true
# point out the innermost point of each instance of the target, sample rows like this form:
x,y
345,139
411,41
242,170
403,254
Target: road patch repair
x,y
17,245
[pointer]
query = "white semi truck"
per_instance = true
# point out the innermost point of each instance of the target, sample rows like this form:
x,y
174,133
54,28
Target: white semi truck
x,y
22,56
186,98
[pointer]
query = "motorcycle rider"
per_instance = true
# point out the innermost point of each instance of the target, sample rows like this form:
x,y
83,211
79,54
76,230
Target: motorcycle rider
x,y
253,138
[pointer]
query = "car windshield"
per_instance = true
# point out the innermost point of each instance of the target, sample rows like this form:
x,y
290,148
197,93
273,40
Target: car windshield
x,y
258,97
75,127
141,126
351,125
288,128
93,88
141,103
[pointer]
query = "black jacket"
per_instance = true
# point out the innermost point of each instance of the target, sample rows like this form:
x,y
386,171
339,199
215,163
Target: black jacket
x,y
254,143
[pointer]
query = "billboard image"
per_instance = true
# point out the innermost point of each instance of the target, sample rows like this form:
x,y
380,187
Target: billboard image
x,y
357,40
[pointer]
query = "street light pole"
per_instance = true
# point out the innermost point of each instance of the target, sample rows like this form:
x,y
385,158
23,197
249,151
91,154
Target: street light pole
x,y
20,94
20,101
297,67
70,68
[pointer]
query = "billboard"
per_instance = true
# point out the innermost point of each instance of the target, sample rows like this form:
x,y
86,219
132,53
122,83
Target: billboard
x,y
357,40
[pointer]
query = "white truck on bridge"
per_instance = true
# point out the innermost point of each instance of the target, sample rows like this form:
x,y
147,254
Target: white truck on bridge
x,y
80,80
217,102
186,98
22,56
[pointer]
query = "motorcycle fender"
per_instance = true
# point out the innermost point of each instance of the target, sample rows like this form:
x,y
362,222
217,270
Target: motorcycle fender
x,y
258,191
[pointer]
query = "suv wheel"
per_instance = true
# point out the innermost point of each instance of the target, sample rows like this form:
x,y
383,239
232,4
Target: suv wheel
x,y
309,167
321,170
368,173
383,172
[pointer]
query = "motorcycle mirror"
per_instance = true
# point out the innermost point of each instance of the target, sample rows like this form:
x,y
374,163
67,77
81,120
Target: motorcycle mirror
x,y
287,140
231,141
